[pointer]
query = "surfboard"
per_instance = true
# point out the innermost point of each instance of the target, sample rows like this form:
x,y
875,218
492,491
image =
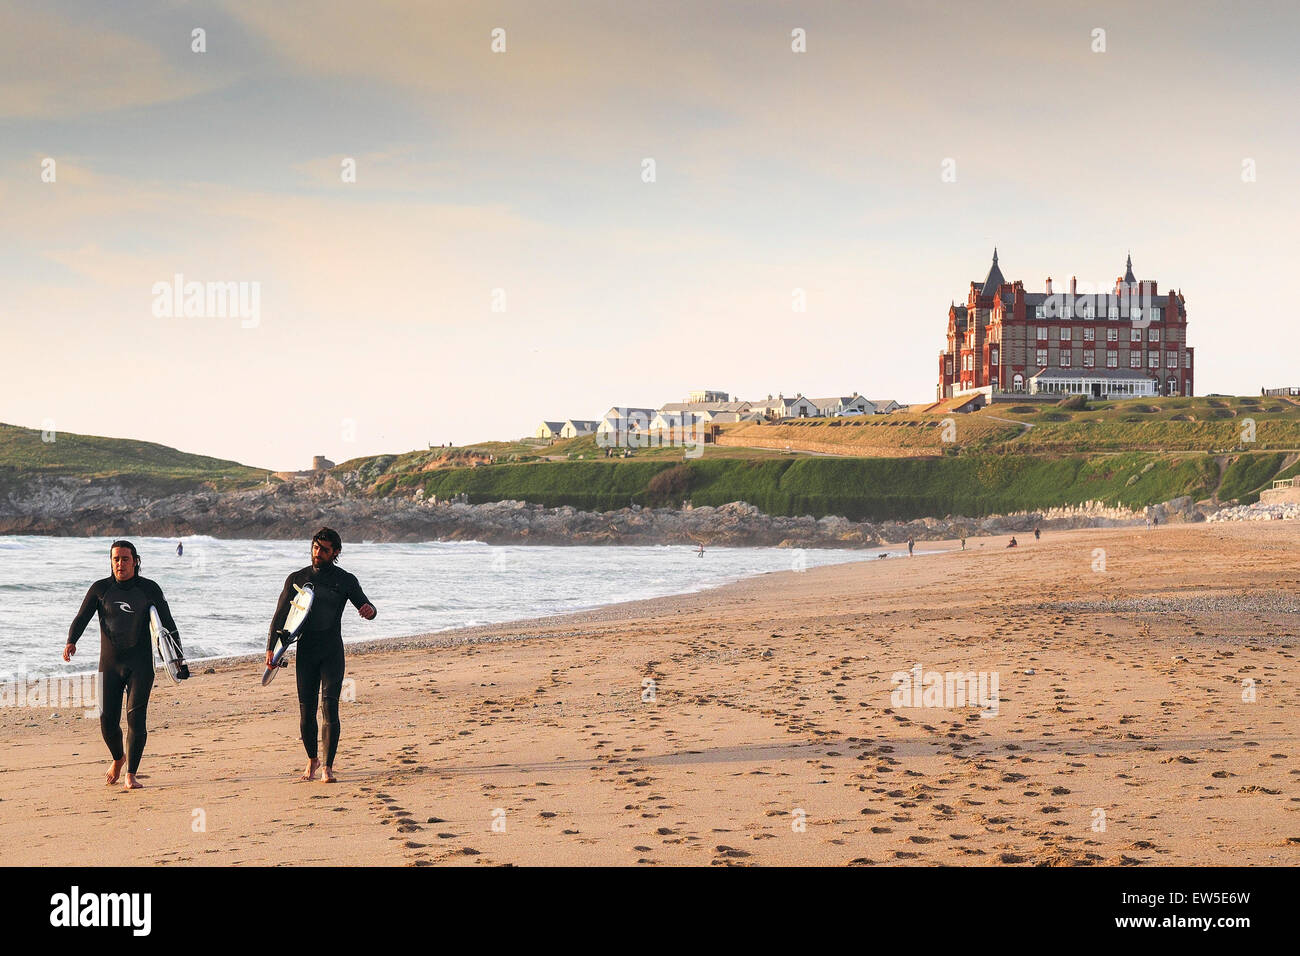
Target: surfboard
x,y
293,622
165,646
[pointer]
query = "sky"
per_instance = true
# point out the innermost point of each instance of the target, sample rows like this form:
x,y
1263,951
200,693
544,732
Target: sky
x,y
501,257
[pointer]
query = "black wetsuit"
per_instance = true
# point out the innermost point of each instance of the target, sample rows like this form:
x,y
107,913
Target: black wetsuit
x,y
319,667
125,657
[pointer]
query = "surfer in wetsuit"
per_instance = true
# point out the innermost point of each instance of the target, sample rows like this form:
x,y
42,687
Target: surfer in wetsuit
x,y
125,654
320,645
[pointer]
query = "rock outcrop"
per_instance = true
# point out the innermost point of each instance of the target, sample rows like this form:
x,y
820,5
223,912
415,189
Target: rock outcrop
x,y
294,509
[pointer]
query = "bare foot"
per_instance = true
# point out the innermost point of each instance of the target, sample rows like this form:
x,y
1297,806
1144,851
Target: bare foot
x,y
310,772
131,783
114,771
327,776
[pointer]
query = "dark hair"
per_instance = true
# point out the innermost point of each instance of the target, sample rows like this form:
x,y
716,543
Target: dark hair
x,y
125,544
330,537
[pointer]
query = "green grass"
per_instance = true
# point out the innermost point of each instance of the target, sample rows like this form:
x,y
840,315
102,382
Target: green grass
x,y
1131,453
857,488
1246,475
23,452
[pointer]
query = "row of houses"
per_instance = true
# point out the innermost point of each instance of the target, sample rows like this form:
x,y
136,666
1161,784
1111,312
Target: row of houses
x,y
709,407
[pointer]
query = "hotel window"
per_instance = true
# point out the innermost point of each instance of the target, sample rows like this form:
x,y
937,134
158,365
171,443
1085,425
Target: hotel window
x,y
1135,313
1187,360
1069,311
1038,312
1086,311
1112,335
1135,359
1112,359
1153,360
1064,358
1040,333
948,367
1153,335
1171,360
1065,333
1088,359
1113,312
1089,335
1156,314
1135,335
994,359
1042,358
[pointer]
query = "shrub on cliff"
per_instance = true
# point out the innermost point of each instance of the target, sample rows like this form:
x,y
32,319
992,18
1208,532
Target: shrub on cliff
x,y
669,487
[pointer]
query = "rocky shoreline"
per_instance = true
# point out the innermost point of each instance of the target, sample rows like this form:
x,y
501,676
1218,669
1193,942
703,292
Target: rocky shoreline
x,y
64,506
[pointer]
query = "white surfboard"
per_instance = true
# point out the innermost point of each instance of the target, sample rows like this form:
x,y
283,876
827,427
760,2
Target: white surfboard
x,y
293,622
165,646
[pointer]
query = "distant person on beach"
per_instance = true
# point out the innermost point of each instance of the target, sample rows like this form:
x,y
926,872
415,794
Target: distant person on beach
x,y
700,553
125,654
911,543
180,549
1012,544
1037,534
963,544
319,667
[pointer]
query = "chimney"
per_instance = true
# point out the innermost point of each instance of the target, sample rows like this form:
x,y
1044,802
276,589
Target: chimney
x,y
1049,285
1072,282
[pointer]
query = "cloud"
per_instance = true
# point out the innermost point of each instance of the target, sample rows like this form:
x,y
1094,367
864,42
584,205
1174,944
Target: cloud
x,y
57,66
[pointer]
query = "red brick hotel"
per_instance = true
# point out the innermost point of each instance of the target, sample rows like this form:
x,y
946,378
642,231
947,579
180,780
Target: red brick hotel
x,y
1117,344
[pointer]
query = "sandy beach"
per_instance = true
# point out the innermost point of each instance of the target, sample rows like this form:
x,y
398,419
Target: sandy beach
x,y
1146,714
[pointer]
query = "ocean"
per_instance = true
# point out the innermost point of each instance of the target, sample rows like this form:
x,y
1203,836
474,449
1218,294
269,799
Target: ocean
x,y
222,593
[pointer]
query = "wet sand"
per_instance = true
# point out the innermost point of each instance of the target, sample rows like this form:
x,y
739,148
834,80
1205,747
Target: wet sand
x,y
749,724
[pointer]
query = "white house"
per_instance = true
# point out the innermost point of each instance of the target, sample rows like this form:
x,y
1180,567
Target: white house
x,y
620,421
578,428
841,405
549,430
884,406
672,421
797,407
708,411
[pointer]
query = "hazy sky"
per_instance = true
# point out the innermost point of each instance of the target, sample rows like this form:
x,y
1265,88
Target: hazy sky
x,y
522,171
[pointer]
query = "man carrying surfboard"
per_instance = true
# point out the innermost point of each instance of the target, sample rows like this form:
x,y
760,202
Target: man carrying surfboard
x,y
320,644
123,600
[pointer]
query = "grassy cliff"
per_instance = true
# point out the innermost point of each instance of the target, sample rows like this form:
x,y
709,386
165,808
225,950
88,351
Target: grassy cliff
x,y
24,452
857,488
1002,459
